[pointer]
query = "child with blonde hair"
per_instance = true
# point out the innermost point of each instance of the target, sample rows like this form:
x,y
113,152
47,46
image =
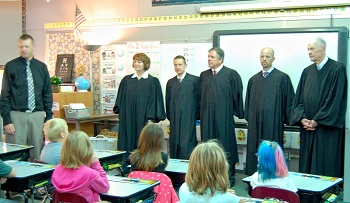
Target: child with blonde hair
x,y
56,130
272,168
149,156
79,170
207,176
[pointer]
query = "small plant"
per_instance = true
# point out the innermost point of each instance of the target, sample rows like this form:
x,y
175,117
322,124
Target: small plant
x,y
55,80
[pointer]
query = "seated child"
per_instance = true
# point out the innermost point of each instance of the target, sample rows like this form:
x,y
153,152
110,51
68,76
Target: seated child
x,y
207,176
149,156
55,130
6,171
272,168
79,170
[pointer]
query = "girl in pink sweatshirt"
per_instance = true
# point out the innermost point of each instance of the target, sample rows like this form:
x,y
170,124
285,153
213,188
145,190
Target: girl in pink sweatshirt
x,y
79,170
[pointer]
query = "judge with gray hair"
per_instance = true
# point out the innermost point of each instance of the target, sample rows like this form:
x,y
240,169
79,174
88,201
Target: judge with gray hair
x,y
319,109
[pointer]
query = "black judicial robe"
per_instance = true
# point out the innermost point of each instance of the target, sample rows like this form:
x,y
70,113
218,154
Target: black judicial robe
x,y
268,106
182,109
321,96
220,100
138,101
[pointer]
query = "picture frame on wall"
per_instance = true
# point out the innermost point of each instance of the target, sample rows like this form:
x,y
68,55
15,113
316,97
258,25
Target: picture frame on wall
x,y
64,67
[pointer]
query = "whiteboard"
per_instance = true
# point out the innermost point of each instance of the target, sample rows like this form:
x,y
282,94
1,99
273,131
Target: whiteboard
x,y
242,53
196,55
242,49
113,69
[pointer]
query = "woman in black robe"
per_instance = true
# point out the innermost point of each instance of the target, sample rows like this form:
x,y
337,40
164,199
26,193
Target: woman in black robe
x,y
139,101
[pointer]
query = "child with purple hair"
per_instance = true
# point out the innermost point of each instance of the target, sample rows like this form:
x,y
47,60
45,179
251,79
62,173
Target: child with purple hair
x,y
272,168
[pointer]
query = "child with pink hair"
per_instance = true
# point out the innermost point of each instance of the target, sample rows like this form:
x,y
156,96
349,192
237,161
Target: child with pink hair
x,y
272,168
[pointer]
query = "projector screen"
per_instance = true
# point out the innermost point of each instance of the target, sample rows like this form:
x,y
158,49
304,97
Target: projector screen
x,y
242,49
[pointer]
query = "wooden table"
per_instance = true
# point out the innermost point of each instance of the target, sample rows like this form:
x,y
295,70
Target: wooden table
x,y
93,118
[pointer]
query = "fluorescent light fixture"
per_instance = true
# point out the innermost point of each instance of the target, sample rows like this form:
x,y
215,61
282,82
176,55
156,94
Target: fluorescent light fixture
x,y
273,6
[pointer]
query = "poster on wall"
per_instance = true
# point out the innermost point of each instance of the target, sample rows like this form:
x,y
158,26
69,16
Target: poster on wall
x,y
64,67
113,70
108,68
107,108
108,53
108,96
150,48
108,81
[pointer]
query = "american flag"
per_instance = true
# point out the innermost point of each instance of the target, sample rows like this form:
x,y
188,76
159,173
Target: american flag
x,y
79,18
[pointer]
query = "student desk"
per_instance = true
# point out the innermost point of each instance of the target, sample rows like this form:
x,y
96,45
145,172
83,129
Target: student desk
x,y
176,170
28,176
110,160
256,200
128,190
310,187
14,151
93,118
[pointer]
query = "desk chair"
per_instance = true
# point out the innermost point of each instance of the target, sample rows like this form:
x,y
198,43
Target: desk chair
x,y
47,194
278,193
67,197
165,191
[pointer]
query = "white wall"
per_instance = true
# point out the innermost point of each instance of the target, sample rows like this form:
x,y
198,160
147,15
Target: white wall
x,y
11,29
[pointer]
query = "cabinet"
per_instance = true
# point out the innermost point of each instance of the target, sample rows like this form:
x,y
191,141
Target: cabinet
x,y
64,98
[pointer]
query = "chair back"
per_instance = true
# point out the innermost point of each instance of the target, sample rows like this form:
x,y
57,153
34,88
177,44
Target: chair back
x,y
278,193
165,191
67,197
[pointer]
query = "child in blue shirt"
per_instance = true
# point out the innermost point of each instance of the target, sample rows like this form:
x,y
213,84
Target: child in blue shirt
x,y
55,130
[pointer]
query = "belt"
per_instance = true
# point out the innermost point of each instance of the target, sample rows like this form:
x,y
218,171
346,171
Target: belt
x,y
26,111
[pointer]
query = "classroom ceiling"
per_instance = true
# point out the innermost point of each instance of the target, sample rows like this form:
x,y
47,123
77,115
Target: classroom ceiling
x,y
107,9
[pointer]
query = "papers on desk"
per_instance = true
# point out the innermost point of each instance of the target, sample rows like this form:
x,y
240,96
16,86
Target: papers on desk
x,y
130,180
31,164
326,178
